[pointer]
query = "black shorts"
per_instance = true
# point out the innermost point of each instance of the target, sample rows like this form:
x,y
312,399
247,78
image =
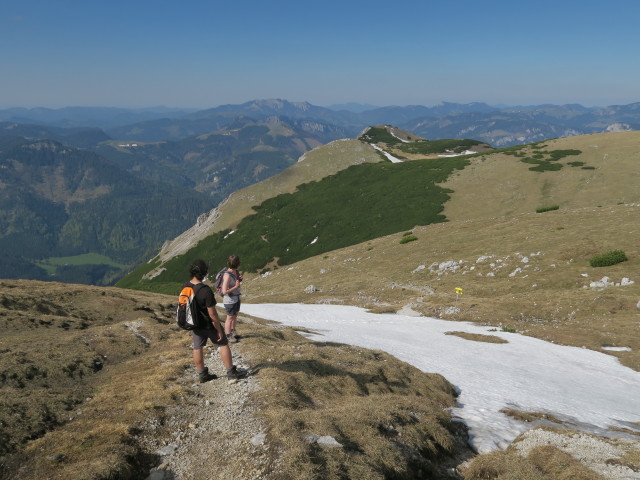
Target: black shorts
x,y
200,337
232,308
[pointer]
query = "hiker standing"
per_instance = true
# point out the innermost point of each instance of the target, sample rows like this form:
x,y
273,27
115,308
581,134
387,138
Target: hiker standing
x,y
231,290
206,303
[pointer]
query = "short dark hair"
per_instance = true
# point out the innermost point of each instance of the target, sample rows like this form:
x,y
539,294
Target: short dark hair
x,y
198,269
233,261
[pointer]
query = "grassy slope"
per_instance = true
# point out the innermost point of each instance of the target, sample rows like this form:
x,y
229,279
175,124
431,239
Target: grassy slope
x,y
313,166
355,205
60,417
498,184
546,298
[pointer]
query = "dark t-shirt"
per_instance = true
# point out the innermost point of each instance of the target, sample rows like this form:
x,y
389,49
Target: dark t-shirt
x,y
205,299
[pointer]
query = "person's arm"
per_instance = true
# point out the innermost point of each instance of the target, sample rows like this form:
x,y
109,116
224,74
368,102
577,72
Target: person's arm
x,y
215,319
225,284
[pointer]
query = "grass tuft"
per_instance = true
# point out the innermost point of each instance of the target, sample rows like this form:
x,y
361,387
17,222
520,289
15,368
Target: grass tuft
x,y
547,209
407,239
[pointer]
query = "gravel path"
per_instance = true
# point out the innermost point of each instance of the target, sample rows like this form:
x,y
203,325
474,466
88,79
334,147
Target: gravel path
x,y
214,433
597,453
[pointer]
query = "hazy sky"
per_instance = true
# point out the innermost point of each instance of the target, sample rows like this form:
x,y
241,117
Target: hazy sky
x,y
197,53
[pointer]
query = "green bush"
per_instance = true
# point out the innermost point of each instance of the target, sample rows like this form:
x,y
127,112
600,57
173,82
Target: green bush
x,y
428,147
547,209
607,259
408,239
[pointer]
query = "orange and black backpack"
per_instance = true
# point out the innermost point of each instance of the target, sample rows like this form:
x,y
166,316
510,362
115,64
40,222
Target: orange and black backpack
x,y
188,315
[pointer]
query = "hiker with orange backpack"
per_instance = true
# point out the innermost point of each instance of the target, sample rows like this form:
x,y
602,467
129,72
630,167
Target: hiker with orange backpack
x,y
207,326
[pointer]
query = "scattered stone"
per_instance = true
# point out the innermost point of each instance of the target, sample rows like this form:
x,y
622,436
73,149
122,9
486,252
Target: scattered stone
x,y
515,272
450,311
327,441
159,474
323,441
606,282
168,450
58,457
259,439
311,289
408,311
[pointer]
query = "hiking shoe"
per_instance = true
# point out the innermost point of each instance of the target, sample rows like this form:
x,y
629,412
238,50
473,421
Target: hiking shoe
x,y
235,373
236,337
205,376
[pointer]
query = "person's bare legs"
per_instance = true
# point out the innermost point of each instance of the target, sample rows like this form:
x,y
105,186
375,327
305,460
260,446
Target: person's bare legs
x,y
230,324
198,359
225,355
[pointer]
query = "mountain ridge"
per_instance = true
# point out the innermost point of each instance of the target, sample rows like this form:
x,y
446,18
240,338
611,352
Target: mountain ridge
x,y
543,167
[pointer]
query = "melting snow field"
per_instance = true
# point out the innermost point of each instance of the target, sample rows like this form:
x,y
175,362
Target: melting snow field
x,y
592,390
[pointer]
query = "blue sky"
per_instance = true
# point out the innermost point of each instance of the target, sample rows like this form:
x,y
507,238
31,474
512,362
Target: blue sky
x,y
201,54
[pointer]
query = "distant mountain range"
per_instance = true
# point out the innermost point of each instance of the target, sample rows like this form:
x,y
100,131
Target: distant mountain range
x,y
498,126
161,157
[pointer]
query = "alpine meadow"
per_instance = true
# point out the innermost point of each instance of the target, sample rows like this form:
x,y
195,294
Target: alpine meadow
x,y
520,222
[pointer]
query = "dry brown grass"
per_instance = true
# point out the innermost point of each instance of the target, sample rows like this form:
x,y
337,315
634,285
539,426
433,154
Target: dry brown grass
x,y
389,416
497,185
63,416
530,416
542,463
478,337
391,419
630,460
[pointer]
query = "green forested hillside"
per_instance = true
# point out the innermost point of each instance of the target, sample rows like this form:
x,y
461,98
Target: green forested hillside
x,y
357,204
60,201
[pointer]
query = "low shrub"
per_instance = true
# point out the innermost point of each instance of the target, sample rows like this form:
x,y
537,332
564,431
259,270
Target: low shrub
x,y
607,259
547,209
407,239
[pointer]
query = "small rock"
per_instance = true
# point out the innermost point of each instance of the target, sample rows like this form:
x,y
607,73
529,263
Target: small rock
x,y
159,474
327,441
58,457
311,289
168,450
259,439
